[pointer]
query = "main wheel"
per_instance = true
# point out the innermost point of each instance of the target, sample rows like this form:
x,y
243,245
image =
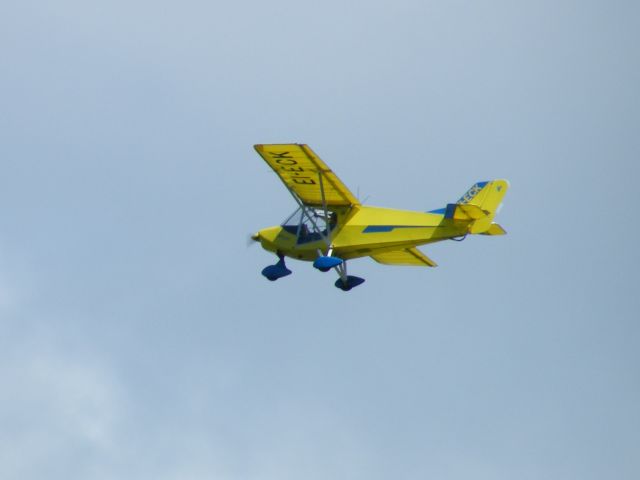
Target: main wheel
x,y
351,282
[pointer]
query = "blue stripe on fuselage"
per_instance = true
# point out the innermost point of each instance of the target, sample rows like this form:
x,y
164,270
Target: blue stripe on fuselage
x,y
390,228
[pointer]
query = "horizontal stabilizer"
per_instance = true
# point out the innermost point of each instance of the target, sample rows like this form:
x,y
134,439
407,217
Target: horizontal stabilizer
x,y
465,211
406,257
495,229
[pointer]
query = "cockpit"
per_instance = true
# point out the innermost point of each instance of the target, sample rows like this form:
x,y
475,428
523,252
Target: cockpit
x,y
310,224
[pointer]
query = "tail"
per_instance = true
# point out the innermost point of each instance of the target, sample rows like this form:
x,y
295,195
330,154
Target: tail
x,y
479,205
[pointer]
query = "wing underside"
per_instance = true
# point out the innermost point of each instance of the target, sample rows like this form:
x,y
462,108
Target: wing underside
x,y
406,257
306,175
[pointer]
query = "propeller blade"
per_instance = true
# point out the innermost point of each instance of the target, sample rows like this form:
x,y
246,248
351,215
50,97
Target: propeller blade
x,y
252,239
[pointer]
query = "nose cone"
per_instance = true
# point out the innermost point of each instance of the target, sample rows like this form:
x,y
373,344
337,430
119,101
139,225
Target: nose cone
x,y
273,239
256,237
268,234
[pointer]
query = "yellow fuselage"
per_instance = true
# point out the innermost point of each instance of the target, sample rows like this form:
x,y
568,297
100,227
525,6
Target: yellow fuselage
x,y
362,231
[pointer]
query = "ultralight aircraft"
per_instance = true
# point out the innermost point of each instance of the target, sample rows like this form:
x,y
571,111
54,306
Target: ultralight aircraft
x,y
331,226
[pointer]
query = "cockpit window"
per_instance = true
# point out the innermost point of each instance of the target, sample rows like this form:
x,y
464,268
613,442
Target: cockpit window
x,y
307,229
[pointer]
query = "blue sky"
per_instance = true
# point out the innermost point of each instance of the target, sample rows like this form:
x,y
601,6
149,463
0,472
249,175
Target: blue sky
x,y
137,337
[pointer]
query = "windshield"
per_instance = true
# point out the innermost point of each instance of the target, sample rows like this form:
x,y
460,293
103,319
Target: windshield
x,y
309,229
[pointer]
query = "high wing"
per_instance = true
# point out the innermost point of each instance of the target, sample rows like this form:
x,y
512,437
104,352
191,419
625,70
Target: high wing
x,y
306,176
407,257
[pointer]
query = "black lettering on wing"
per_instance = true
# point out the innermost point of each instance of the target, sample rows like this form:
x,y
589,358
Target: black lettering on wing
x,y
303,181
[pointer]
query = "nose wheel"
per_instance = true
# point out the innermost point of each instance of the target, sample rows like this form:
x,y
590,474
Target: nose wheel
x,y
279,270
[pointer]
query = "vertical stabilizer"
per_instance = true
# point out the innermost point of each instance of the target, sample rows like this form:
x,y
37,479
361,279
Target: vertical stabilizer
x,y
479,206
486,195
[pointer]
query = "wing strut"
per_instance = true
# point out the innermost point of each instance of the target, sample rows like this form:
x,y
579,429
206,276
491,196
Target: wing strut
x,y
326,213
311,219
324,200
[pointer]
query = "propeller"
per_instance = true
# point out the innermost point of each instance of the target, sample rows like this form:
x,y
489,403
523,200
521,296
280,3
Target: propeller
x,y
252,239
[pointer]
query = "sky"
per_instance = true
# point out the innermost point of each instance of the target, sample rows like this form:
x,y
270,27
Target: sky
x,y
137,336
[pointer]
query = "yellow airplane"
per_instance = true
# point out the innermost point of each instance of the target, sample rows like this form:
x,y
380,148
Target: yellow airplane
x,y
331,226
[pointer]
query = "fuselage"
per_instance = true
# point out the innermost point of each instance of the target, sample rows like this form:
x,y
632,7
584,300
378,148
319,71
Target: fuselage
x,y
361,231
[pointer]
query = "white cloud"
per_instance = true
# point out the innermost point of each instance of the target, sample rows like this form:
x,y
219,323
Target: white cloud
x,y
53,405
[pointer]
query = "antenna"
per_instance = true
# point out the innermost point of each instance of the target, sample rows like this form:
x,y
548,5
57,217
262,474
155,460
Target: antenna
x,y
358,196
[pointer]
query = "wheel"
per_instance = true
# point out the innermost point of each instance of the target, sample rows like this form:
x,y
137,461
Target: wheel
x,y
352,281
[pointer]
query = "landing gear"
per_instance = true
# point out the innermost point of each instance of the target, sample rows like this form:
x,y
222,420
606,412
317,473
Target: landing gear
x,y
279,270
346,282
324,264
